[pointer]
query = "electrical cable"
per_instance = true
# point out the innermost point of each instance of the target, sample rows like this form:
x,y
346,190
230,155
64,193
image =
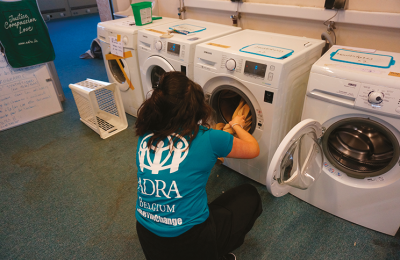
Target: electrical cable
x,y
334,43
331,18
237,13
326,35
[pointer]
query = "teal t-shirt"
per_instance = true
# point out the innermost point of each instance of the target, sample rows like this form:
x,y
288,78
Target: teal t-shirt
x,y
171,185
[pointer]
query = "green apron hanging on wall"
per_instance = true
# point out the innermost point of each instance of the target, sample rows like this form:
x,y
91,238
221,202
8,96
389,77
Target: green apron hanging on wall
x,y
23,34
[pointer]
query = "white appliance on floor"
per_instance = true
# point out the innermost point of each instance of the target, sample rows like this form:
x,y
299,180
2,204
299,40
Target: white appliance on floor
x,y
352,111
158,53
128,31
270,72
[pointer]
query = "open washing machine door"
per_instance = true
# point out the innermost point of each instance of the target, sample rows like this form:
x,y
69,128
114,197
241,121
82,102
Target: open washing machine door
x,y
152,69
114,71
118,74
297,163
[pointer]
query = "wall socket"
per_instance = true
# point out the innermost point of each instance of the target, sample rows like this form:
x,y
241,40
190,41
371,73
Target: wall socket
x,y
335,4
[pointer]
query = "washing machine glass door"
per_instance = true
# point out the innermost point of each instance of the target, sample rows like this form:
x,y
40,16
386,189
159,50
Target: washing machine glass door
x,y
154,67
120,74
227,100
155,75
297,163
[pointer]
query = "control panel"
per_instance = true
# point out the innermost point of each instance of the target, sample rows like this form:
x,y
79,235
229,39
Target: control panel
x,y
251,69
258,70
255,69
158,45
173,48
231,64
379,98
168,48
104,35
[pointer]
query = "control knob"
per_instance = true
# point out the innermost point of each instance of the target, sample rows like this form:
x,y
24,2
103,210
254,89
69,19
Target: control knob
x,y
230,64
158,45
375,97
125,40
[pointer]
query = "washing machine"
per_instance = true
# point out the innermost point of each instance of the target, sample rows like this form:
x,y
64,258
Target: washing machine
x,y
171,47
269,72
349,137
126,28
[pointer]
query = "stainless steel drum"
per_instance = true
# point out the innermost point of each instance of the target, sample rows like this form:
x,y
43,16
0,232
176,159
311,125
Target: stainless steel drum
x,y
361,147
225,99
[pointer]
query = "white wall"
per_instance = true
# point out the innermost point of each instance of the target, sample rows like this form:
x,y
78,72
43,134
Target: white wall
x,y
390,6
121,5
386,39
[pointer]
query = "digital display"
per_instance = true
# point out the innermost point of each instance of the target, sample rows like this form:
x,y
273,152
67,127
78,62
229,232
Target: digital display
x,y
174,48
256,69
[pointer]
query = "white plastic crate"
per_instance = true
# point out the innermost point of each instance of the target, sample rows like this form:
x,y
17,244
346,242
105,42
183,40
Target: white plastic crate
x,y
100,106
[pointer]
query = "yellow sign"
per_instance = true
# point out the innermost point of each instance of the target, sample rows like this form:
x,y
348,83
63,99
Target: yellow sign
x,y
396,74
110,56
118,38
218,45
152,30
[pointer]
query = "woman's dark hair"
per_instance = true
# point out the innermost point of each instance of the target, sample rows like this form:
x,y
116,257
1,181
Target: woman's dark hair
x,y
177,105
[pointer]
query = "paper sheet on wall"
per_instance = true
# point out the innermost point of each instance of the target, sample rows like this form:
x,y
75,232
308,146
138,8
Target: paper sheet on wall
x,y
26,94
116,47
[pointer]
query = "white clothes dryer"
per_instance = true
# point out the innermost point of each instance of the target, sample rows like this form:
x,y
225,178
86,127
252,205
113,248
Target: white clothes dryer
x,y
350,137
126,28
270,72
159,53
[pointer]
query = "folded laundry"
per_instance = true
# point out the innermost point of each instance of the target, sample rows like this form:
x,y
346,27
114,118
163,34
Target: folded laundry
x,y
241,110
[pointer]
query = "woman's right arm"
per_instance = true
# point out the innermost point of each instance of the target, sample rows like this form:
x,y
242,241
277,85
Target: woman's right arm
x,y
245,146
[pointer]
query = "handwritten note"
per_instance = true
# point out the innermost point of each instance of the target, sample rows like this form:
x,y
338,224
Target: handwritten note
x,y
26,94
116,47
361,58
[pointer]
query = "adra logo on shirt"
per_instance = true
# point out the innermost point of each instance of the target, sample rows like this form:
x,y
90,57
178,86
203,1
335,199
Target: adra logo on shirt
x,y
163,154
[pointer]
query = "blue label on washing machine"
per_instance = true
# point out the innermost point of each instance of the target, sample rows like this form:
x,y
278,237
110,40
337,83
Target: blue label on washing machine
x,y
267,51
187,28
363,58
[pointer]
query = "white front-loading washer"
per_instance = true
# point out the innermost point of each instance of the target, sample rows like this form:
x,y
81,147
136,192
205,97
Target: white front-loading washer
x,y
127,30
159,52
350,137
270,72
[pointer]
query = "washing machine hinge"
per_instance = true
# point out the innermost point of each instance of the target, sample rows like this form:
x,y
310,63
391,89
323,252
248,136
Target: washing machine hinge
x,y
323,131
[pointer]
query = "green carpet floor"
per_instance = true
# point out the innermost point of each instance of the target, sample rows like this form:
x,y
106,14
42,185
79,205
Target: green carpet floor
x,y
67,194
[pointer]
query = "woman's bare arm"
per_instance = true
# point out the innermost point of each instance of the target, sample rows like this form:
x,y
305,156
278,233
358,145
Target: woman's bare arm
x,y
245,146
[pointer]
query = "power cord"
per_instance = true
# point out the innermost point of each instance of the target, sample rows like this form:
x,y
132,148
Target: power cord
x,y
331,25
327,35
236,17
